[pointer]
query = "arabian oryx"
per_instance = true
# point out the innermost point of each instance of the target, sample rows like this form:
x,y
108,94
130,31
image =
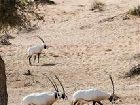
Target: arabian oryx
x,y
36,50
81,97
45,98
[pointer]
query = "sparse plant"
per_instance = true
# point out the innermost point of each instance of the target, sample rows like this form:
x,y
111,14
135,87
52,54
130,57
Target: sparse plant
x,y
4,39
133,71
28,73
135,11
96,5
4,42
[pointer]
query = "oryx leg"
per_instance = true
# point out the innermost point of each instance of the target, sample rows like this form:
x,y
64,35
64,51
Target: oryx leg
x,y
34,58
38,56
75,102
78,103
29,57
99,103
94,102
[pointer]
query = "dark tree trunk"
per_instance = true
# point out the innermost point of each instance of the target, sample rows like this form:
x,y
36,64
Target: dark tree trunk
x,y
3,87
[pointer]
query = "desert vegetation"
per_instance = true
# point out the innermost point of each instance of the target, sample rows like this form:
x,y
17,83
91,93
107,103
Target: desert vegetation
x,y
134,71
97,5
16,14
135,11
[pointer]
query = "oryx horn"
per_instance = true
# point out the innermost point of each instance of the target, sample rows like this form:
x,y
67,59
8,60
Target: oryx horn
x,y
112,86
55,87
54,83
60,83
41,39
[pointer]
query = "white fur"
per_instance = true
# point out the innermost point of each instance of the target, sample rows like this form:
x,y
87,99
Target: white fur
x,y
35,49
90,95
44,98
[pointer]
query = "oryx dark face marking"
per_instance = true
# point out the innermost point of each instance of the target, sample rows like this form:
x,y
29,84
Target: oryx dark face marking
x,y
57,95
113,98
64,96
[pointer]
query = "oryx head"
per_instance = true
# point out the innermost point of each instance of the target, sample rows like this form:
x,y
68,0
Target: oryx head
x,y
58,94
43,42
63,95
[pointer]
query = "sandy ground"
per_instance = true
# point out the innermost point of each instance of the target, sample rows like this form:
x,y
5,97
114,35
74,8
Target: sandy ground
x,y
86,46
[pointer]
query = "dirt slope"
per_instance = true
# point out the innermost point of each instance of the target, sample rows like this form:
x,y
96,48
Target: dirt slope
x,y
85,45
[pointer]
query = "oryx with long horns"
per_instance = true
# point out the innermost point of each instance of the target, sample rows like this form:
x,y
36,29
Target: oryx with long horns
x,y
94,95
45,98
36,50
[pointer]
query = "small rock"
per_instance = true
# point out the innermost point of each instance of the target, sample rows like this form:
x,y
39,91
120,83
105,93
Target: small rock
x,y
108,50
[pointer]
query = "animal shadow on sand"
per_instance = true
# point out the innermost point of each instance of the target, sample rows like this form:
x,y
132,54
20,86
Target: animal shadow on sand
x,y
48,64
45,64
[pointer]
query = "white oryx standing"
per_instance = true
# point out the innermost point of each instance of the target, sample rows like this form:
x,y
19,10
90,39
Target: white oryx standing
x,y
45,98
81,97
36,50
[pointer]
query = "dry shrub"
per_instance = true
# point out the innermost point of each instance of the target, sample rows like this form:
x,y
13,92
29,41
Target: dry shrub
x,y
16,15
28,29
4,42
28,73
96,5
133,71
135,11
4,39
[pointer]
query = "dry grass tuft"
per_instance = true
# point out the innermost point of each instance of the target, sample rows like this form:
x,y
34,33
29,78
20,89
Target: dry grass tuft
x,y
4,39
27,73
97,5
135,11
133,71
